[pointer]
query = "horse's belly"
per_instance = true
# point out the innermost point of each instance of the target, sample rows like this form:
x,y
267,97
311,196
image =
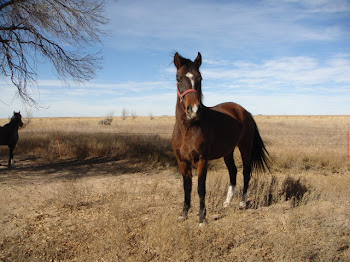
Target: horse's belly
x,y
209,151
8,140
220,150
222,143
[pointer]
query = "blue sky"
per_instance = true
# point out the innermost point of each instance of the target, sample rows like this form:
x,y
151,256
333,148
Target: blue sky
x,y
272,57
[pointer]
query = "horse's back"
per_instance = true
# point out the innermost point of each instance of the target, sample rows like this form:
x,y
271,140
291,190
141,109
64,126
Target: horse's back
x,y
234,110
243,117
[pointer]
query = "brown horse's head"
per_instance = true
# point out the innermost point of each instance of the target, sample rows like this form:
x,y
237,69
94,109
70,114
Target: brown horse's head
x,y
189,85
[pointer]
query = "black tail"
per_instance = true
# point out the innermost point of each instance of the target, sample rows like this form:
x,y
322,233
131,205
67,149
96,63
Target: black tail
x,y
260,156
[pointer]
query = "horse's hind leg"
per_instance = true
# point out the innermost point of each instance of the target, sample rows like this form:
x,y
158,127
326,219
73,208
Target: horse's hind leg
x,y
232,169
247,169
246,174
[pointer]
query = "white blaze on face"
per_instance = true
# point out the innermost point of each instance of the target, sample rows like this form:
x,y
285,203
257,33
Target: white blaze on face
x,y
194,108
190,76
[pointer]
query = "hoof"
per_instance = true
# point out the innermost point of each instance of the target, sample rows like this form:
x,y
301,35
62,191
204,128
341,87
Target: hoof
x,y
182,218
203,224
226,204
242,205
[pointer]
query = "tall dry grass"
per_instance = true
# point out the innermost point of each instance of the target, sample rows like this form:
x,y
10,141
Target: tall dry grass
x,y
306,142
298,212
135,220
294,142
81,138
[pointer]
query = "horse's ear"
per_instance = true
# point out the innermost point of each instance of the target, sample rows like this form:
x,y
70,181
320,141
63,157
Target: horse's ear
x,y
177,60
198,60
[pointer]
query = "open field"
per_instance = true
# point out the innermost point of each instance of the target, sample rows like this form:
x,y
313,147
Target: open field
x,y
115,194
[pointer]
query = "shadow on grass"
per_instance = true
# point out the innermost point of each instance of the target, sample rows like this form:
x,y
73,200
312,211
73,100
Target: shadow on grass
x,y
36,168
95,154
271,190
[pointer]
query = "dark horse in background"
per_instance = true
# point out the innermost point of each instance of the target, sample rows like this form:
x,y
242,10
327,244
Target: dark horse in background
x,y
204,133
9,134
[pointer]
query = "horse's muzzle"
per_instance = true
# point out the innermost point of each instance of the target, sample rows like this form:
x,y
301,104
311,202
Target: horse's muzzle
x,y
193,112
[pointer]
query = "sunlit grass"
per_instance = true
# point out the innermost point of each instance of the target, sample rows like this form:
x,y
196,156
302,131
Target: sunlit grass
x,y
299,143
298,212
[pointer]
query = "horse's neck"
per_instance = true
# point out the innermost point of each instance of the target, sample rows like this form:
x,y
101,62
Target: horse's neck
x,y
180,114
12,124
182,120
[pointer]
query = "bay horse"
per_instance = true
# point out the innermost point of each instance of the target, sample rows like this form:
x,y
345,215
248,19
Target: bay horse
x,y
9,134
205,133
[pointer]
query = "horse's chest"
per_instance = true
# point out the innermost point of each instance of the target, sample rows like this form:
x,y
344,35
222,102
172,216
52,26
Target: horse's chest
x,y
191,146
7,136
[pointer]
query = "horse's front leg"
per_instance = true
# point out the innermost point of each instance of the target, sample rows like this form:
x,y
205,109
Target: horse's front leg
x,y
10,156
186,171
202,167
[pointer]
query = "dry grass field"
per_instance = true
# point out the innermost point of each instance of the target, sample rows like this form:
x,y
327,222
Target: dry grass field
x,y
115,194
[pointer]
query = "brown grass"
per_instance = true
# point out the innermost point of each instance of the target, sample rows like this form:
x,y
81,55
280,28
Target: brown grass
x,y
81,138
115,196
294,142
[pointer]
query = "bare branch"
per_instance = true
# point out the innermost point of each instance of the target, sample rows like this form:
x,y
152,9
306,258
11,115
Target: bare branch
x,y
3,5
56,30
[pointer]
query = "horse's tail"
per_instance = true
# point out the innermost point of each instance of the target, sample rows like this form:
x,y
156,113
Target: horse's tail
x,y
260,156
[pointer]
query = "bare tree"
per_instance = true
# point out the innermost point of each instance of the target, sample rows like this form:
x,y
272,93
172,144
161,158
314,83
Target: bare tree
x,y
57,31
124,113
28,116
108,120
133,115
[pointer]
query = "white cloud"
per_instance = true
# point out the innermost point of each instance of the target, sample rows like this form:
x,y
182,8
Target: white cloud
x,y
275,56
280,104
283,74
159,24
283,85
